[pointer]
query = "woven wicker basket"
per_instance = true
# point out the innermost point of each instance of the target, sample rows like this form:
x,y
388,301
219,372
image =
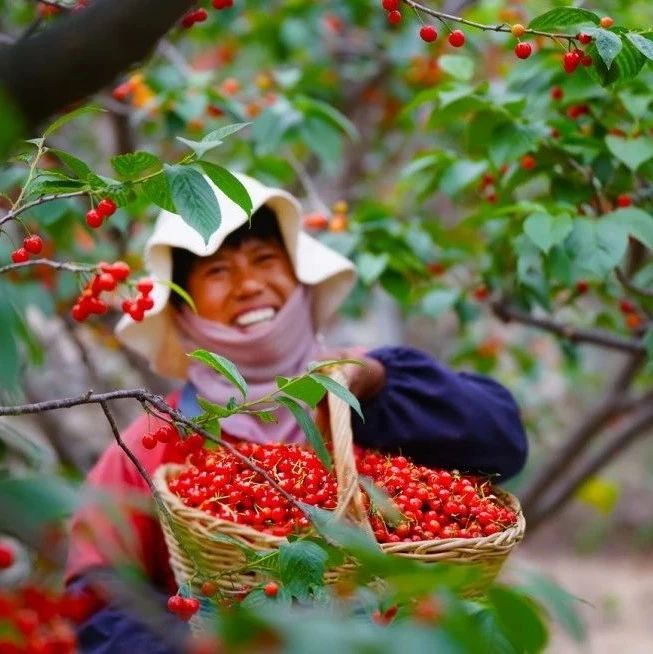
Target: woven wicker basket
x,y
210,544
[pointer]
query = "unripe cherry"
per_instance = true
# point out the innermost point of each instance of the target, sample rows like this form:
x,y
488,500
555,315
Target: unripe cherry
x,y
518,30
428,33
394,17
457,38
607,22
33,244
523,50
20,255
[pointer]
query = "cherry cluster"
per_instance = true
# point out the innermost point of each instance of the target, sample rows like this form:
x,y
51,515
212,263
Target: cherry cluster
x,y
200,15
137,307
221,484
433,503
183,607
105,208
36,621
89,302
338,222
32,244
632,317
169,435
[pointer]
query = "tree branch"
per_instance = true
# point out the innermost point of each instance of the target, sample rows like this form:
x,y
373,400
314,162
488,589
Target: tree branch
x,y
44,198
573,334
83,52
642,422
59,265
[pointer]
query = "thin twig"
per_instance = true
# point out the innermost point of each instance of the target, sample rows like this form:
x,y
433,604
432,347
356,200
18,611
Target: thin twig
x,y
59,265
44,198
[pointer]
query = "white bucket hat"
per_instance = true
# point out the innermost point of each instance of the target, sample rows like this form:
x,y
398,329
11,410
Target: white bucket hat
x,y
156,338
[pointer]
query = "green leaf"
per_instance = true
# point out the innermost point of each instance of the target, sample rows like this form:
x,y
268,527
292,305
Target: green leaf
x,y
626,65
271,126
632,152
632,221
520,619
194,198
230,185
546,230
223,132
157,191
308,427
66,118
371,266
301,567
381,501
461,174
200,148
607,44
636,104
182,292
131,165
327,363
563,17
509,142
644,45
439,300
327,113
597,247
340,391
560,604
267,417
213,409
222,366
77,166
457,66
303,388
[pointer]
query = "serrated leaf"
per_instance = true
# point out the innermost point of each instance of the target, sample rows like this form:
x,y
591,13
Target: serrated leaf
x,y
222,366
632,152
607,44
157,191
131,165
212,408
77,166
439,300
194,198
340,391
626,65
301,567
229,184
224,132
308,427
644,45
303,388
200,148
563,17
66,118
546,231
371,266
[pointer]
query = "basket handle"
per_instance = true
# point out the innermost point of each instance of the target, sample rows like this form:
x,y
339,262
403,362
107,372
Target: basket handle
x,y
350,499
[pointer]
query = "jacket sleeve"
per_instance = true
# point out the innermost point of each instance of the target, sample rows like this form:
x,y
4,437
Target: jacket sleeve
x,y
442,418
117,628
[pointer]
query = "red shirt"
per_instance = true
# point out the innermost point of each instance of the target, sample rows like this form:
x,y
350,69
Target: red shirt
x,y
118,523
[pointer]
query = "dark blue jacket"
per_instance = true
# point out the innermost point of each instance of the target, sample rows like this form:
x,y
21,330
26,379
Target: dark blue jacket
x,y
428,412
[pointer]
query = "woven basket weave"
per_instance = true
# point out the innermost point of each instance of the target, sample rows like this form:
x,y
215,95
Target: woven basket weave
x,y
210,542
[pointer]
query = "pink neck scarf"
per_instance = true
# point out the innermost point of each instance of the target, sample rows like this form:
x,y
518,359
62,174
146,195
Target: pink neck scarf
x,y
284,346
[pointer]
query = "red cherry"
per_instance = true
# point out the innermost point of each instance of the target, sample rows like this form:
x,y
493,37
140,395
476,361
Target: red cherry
x,y
271,589
149,442
94,219
626,306
457,38
428,33
394,17
200,15
557,93
20,255
222,4
570,61
523,50
209,588
586,61
6,557
391,5
175,603
145,286
188,20
582,286
166,434
481,293
119,269
79,313
106,282
624,200
528,162
584,38
145,303
136,312
33,244
106,207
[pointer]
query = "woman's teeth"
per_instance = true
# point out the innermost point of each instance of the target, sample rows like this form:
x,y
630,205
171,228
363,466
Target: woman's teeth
x,y
256,316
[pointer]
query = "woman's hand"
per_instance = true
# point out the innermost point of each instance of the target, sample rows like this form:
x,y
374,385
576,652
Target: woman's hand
x,y
364,381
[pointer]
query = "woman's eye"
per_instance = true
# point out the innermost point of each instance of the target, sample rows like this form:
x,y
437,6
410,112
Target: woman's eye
x,y
262,258
217,270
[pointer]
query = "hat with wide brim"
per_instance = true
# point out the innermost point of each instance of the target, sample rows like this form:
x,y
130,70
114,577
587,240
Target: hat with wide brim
x,y
156,338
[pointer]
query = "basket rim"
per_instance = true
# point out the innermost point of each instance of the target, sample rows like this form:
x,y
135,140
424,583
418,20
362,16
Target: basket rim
x,y
504,538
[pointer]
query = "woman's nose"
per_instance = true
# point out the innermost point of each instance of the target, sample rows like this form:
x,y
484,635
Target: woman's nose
x,y
247,284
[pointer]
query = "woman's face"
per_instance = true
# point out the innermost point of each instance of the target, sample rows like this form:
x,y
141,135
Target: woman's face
x,y
242,286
